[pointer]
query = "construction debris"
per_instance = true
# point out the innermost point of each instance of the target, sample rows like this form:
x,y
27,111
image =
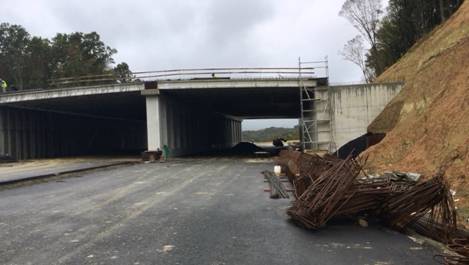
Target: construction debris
x,y
328,187
457,240
277,189
7,159
326,195
245,148
461,247
301,174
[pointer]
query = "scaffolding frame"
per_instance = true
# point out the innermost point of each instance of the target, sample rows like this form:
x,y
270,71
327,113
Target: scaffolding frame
x,y
309,119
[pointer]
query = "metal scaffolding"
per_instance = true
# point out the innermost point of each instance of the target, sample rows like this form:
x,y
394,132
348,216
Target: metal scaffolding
x,y
312,107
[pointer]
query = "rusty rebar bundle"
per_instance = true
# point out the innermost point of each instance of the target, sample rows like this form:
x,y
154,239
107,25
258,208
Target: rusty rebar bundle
x,y
461,247
456,239
326,195
327,187
277,189
302,169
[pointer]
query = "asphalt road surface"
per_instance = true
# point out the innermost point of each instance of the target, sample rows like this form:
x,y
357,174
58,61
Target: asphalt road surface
x,y
28,169
193,211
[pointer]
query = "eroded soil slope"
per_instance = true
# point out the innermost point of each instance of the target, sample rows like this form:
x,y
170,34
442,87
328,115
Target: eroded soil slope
x,y
427,124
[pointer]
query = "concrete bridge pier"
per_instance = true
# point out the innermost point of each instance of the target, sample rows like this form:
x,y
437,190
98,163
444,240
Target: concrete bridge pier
x,y
154,122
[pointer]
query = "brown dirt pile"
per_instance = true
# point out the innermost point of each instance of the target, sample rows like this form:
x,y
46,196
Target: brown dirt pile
x,y
427,124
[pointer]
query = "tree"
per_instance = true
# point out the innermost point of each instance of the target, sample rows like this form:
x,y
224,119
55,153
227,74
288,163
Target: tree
x,y
269,134
37,67
31,62
365,16
79,54
123,73
404,24
13,42
391,36
355,52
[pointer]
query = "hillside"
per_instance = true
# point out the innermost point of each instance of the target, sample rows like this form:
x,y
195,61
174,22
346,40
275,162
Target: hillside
x,y
268,134
427,124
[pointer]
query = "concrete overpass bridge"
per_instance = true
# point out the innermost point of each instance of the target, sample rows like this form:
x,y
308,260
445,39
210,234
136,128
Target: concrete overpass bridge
x,y
191,111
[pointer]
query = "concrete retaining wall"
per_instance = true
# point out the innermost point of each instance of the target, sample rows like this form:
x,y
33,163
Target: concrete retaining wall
x,y
28,134
344,112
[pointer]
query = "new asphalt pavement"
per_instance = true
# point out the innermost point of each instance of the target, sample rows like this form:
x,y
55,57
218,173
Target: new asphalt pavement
x,y
197,211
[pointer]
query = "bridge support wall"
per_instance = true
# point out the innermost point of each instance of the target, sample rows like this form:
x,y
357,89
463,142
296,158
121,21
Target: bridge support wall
x,y
344,112
188,128
26,134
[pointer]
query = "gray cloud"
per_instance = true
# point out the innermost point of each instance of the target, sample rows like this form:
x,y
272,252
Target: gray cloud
x,y
231,21
161,34
199,33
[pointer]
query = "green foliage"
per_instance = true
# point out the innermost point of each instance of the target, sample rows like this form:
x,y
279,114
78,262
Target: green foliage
x,y
269,134
122,73
404,24
365,16
31,62
14,40
391,36
79,54
37,70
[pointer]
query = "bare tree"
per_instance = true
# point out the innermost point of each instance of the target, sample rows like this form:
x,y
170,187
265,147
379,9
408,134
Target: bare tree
x,y
354,51
365,16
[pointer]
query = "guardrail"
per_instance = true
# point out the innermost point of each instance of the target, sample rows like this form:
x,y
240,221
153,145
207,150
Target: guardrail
x,y
187,74
318,71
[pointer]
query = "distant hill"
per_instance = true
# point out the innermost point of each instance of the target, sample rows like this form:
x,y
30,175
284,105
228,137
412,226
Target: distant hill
x,y
268,134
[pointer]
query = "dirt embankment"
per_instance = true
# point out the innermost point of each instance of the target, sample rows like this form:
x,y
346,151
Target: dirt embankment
x,y
427,124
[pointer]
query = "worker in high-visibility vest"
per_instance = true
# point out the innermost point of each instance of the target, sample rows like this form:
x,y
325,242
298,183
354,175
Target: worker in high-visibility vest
x,y
165,153
3,85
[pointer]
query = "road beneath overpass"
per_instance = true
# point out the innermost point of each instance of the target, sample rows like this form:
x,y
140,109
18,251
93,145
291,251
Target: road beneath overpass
x,y
188,211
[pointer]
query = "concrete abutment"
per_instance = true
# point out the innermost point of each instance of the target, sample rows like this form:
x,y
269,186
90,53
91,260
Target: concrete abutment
x,y
344,112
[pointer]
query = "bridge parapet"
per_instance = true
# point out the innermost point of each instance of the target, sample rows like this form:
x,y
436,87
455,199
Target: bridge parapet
x,y
191,74
39,94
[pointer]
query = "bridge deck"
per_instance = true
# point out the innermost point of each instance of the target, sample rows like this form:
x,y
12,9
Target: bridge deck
x,y
43,94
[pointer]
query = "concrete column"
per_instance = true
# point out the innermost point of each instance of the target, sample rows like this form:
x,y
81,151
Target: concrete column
x,y
179,130
8,131
14,134
41,139
183,129
153,122
2,132
238,131
163,105
171,128
32,136
25,143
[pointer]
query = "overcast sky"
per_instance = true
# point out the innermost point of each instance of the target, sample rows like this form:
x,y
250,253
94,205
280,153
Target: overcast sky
x,y
163,34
